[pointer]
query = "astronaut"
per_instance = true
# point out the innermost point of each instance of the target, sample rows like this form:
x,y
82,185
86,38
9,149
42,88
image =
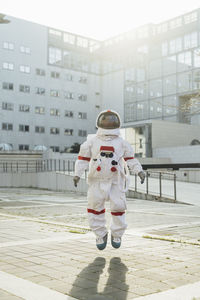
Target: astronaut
x,y
109,158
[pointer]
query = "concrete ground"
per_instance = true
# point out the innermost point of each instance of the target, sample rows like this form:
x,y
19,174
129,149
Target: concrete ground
x,y
47,251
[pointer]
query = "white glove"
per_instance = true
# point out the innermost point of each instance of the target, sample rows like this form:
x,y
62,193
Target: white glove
x,y
141,174
76,180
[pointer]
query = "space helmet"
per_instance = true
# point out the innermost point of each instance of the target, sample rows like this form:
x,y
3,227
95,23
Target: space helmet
x,y
108,119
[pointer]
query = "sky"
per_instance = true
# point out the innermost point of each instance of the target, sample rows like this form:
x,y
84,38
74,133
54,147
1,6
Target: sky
x,y
98,19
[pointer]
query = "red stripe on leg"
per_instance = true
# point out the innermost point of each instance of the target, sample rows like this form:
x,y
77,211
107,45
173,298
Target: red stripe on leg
x,y
95,212
118,213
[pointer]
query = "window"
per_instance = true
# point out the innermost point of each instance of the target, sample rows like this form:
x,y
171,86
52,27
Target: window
x,y
55,74
169,85
55,33
175,45
40,91
54,93
130,92
82,133
162,28
140,74
155,108
164,49
24,128
69,114
55,148
8,66
196,79
184,61
192,17
39,110
130,89
25,69
8,86
24,49
140,141
24,108
69,38
40,72
130,112
82,97
83,79
68,95
170,105
155,88
143,49
175,23
82,115
8,46
55,56
190,40
169,65
7,126
7,106
82,42
24,147
130,76
142,32
155,68
68,131
54,130
197,58
24,88
142,110
39,129
54,112
69,77
184,82
141,91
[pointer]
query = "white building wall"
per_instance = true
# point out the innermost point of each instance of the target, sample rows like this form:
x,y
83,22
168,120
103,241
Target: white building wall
x,y
34,36
169,134
184,154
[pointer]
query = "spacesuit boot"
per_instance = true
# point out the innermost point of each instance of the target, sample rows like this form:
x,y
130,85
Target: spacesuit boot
x,y
101,242
115,241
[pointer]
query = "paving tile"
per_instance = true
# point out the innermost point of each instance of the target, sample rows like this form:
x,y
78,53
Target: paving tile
x,y
75,267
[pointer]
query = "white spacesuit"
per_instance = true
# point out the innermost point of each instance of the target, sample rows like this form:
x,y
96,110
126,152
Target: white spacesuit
x,y
108,157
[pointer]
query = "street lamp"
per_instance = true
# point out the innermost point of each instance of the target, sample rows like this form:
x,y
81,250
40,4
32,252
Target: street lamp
x,y
2,20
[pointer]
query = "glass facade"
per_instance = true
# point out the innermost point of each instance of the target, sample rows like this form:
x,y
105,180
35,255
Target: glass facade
x,y
160,63
170,70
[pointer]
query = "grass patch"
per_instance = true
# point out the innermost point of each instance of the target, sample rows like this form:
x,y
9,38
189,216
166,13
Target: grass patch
x,y
77,231
172,240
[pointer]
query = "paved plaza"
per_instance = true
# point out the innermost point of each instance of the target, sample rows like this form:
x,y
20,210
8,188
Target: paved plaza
x,y
47,251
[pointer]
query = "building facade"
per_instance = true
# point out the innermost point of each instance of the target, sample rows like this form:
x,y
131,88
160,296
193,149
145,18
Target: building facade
x,y
54,83
48,95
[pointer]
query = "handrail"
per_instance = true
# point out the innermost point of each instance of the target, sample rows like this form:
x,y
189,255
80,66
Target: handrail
x,y
49,165
161,176
173,166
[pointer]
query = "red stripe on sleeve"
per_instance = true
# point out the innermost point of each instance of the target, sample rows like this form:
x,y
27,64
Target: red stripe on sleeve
x,y
127,158
84,158
95,212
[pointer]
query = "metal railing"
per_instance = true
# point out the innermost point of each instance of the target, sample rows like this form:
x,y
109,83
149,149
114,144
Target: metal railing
x,y
157,183
48,165
160,184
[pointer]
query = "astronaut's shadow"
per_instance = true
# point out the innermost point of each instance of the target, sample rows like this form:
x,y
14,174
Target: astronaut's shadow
x,y
86,283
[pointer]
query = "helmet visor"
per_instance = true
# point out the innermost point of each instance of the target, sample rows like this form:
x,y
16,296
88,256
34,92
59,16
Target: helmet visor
x,y
108,120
